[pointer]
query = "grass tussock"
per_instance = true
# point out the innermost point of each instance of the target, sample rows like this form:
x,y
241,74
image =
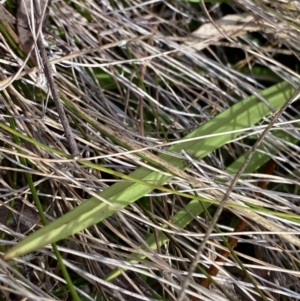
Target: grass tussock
x,y
186,117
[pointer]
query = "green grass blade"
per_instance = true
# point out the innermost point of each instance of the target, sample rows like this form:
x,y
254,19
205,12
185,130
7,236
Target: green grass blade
x,y
238,117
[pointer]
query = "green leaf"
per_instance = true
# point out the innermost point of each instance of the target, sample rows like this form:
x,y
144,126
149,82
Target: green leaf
x,y
208,137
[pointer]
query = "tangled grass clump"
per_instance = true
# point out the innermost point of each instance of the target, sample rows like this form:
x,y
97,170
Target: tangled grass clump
x,y
186,118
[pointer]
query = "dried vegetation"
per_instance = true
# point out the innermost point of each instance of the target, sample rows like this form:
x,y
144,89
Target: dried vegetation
x,y
142,75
